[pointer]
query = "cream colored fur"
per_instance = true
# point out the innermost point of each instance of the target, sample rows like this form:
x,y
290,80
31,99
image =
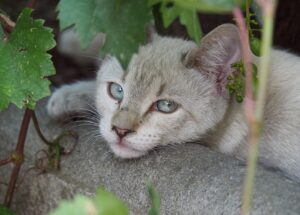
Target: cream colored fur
x,y
195,78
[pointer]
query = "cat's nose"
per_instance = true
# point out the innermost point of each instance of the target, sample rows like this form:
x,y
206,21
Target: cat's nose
x,y
122,132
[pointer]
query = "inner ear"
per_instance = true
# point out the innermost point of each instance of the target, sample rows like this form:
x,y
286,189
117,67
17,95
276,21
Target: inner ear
x,y
218,50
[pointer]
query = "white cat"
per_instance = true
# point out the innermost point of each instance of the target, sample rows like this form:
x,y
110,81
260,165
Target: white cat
x,y
174,92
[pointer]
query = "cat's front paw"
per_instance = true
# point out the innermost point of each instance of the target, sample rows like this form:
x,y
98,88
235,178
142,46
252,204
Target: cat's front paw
x,y
58,102
70,99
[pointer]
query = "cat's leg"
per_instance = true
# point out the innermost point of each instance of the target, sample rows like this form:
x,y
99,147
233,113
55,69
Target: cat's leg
x,y
73,98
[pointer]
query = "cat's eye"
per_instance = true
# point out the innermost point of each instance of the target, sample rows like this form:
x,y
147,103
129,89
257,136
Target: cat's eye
x,y
115,91
166,106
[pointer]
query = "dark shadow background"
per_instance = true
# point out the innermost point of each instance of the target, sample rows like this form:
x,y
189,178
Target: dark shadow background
x,y
286,35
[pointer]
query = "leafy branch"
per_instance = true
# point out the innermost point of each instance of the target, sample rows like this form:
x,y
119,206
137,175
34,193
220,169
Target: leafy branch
x,y
24,64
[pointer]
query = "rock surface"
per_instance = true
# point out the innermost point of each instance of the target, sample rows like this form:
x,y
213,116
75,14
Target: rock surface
x,y
190,179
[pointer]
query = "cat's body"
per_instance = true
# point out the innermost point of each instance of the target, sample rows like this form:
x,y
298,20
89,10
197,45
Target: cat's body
x,y
189,84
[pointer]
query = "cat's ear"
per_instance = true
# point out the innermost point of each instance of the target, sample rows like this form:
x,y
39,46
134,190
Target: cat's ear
x,y
151,33
110,69
218,50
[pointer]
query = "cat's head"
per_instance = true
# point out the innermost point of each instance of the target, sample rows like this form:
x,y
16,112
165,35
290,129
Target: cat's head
x,y
172,92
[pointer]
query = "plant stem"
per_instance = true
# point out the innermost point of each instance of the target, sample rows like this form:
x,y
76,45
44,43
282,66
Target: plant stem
x,y
18,157
244,38
31,3
37,128
268,7
5,161
7,23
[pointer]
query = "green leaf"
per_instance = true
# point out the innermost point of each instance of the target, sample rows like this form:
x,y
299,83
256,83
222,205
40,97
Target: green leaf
x,y
24,63
5,211
123,22
190,19
209,6
154,200
169,14
109,204
255,45
104,203
153,2
187,17
80,205
1,33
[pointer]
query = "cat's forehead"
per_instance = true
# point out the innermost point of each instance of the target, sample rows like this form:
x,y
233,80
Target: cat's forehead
x,y
157,65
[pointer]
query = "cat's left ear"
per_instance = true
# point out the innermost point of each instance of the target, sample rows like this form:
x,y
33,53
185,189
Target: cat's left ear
x,y
218,50
151,33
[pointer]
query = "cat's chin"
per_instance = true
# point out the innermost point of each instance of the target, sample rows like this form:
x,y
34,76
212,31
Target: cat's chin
x,y
123,151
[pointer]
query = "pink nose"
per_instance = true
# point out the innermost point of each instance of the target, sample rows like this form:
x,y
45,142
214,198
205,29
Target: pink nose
x,y
122,132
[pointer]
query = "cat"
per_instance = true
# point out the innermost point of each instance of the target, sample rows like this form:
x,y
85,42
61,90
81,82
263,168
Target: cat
x,y
174,91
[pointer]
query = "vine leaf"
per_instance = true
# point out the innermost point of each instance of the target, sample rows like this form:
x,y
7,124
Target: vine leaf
x,y
80,205
5,211
1,33
209,6
187,10
24,63
123,22
104,203
154,200
187,17
108,203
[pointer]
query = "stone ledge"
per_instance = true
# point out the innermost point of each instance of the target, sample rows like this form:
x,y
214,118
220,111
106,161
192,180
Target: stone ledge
x,y
190,179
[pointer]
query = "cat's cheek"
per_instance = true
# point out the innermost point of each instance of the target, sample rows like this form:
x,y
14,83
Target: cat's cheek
x,y
105,130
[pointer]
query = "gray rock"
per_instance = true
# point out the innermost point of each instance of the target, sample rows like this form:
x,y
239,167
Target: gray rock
x,y
190,178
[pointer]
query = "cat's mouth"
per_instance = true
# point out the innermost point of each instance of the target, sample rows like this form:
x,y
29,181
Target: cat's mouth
x,y
122,149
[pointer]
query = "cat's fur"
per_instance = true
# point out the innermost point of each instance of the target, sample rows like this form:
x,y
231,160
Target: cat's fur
x,y
195,78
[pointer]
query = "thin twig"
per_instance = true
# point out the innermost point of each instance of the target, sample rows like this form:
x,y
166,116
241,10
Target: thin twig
x,y
8,24
247,62
37,128
5,161
255,120
18,157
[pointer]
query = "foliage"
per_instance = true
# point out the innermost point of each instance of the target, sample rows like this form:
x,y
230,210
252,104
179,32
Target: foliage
x,y
186,11
251,21
154,200
24,62
5,211
104,203
206,6
187,17
123,22
236,81
1,33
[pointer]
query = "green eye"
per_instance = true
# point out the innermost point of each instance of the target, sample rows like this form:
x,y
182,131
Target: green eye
x,y
166,106
115,91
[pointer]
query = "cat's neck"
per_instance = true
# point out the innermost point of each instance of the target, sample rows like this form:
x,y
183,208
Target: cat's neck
x,y
230,131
